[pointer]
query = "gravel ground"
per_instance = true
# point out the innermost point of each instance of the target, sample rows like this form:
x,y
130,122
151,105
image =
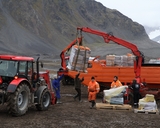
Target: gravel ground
x,y
71,114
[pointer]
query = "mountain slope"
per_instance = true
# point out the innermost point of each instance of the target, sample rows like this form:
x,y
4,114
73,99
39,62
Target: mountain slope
x,y
153,33
47,26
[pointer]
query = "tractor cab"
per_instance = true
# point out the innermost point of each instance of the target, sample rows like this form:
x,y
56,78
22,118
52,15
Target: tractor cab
x,y
13,67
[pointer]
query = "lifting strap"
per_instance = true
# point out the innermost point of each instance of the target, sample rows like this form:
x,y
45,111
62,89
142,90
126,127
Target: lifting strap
x,y
85,53
76,59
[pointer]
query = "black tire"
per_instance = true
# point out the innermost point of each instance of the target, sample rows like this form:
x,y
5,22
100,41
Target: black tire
x,y
18,101
158,103
130,99
45,101
63,80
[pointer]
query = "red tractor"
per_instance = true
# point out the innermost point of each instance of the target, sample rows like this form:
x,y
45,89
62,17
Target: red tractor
x,y
22,85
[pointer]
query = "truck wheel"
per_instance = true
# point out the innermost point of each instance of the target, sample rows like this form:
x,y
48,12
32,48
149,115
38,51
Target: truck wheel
x,y
130,99
64,80
45,101
158,103
19,100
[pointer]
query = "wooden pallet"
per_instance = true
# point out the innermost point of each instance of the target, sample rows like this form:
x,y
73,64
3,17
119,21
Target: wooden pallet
x,y
146,111
113,106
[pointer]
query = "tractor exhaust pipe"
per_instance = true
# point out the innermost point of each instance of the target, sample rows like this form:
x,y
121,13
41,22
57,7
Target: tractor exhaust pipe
x,y
37,66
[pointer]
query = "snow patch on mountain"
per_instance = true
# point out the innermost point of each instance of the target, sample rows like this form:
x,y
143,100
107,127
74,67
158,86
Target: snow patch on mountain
x,y
153,33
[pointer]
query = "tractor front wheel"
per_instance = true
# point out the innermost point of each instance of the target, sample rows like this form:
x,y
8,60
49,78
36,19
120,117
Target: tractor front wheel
x,y
19,100
45,101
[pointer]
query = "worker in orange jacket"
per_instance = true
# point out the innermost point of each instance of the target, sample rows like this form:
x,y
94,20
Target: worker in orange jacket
x,y
116,83
93,89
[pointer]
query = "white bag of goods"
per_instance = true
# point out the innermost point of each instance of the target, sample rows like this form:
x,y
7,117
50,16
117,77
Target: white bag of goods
x,y
149,98
148,103
124,60
110,59
118,61
130,59
154,61
78,59
117,100
114,92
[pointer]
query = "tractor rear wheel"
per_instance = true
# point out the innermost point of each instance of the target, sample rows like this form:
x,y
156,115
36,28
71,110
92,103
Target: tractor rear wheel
x,y
18,101
45,101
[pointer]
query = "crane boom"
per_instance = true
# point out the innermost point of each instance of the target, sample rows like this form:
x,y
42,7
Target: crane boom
x,y
109,37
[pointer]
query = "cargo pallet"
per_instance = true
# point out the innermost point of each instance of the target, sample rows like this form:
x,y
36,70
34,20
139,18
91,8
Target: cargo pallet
x,y
113,106
147,111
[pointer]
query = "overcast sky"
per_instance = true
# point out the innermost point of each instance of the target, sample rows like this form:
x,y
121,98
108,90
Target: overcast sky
x,y
145,12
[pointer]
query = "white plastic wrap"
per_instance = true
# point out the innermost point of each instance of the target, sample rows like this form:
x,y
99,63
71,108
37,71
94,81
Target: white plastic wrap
x,y
148,103
151,106
114,60
78,59
117,100
114,93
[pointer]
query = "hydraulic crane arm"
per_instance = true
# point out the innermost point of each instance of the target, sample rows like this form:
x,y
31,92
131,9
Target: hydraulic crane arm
x,y
109,37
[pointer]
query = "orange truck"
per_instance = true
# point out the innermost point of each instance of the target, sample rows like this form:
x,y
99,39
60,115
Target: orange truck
x,y
148,75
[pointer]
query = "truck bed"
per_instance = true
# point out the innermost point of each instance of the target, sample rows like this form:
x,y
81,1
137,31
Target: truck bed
x,y
150,73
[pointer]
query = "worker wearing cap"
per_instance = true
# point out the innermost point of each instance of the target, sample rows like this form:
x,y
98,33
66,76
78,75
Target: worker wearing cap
x,y
56,86
116,83
93,89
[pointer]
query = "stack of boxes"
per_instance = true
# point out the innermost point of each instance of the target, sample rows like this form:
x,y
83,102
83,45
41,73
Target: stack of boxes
x,y
125,60
110,59
117,60
78,59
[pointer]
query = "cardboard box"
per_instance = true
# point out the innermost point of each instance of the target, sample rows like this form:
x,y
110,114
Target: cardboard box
x,y
79,57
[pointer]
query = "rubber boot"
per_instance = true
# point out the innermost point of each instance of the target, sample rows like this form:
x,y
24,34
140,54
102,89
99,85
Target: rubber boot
x,y
93,103
135,105
58,101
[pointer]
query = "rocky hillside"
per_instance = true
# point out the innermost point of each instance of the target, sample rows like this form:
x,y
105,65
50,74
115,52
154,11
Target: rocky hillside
x,y
45,27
